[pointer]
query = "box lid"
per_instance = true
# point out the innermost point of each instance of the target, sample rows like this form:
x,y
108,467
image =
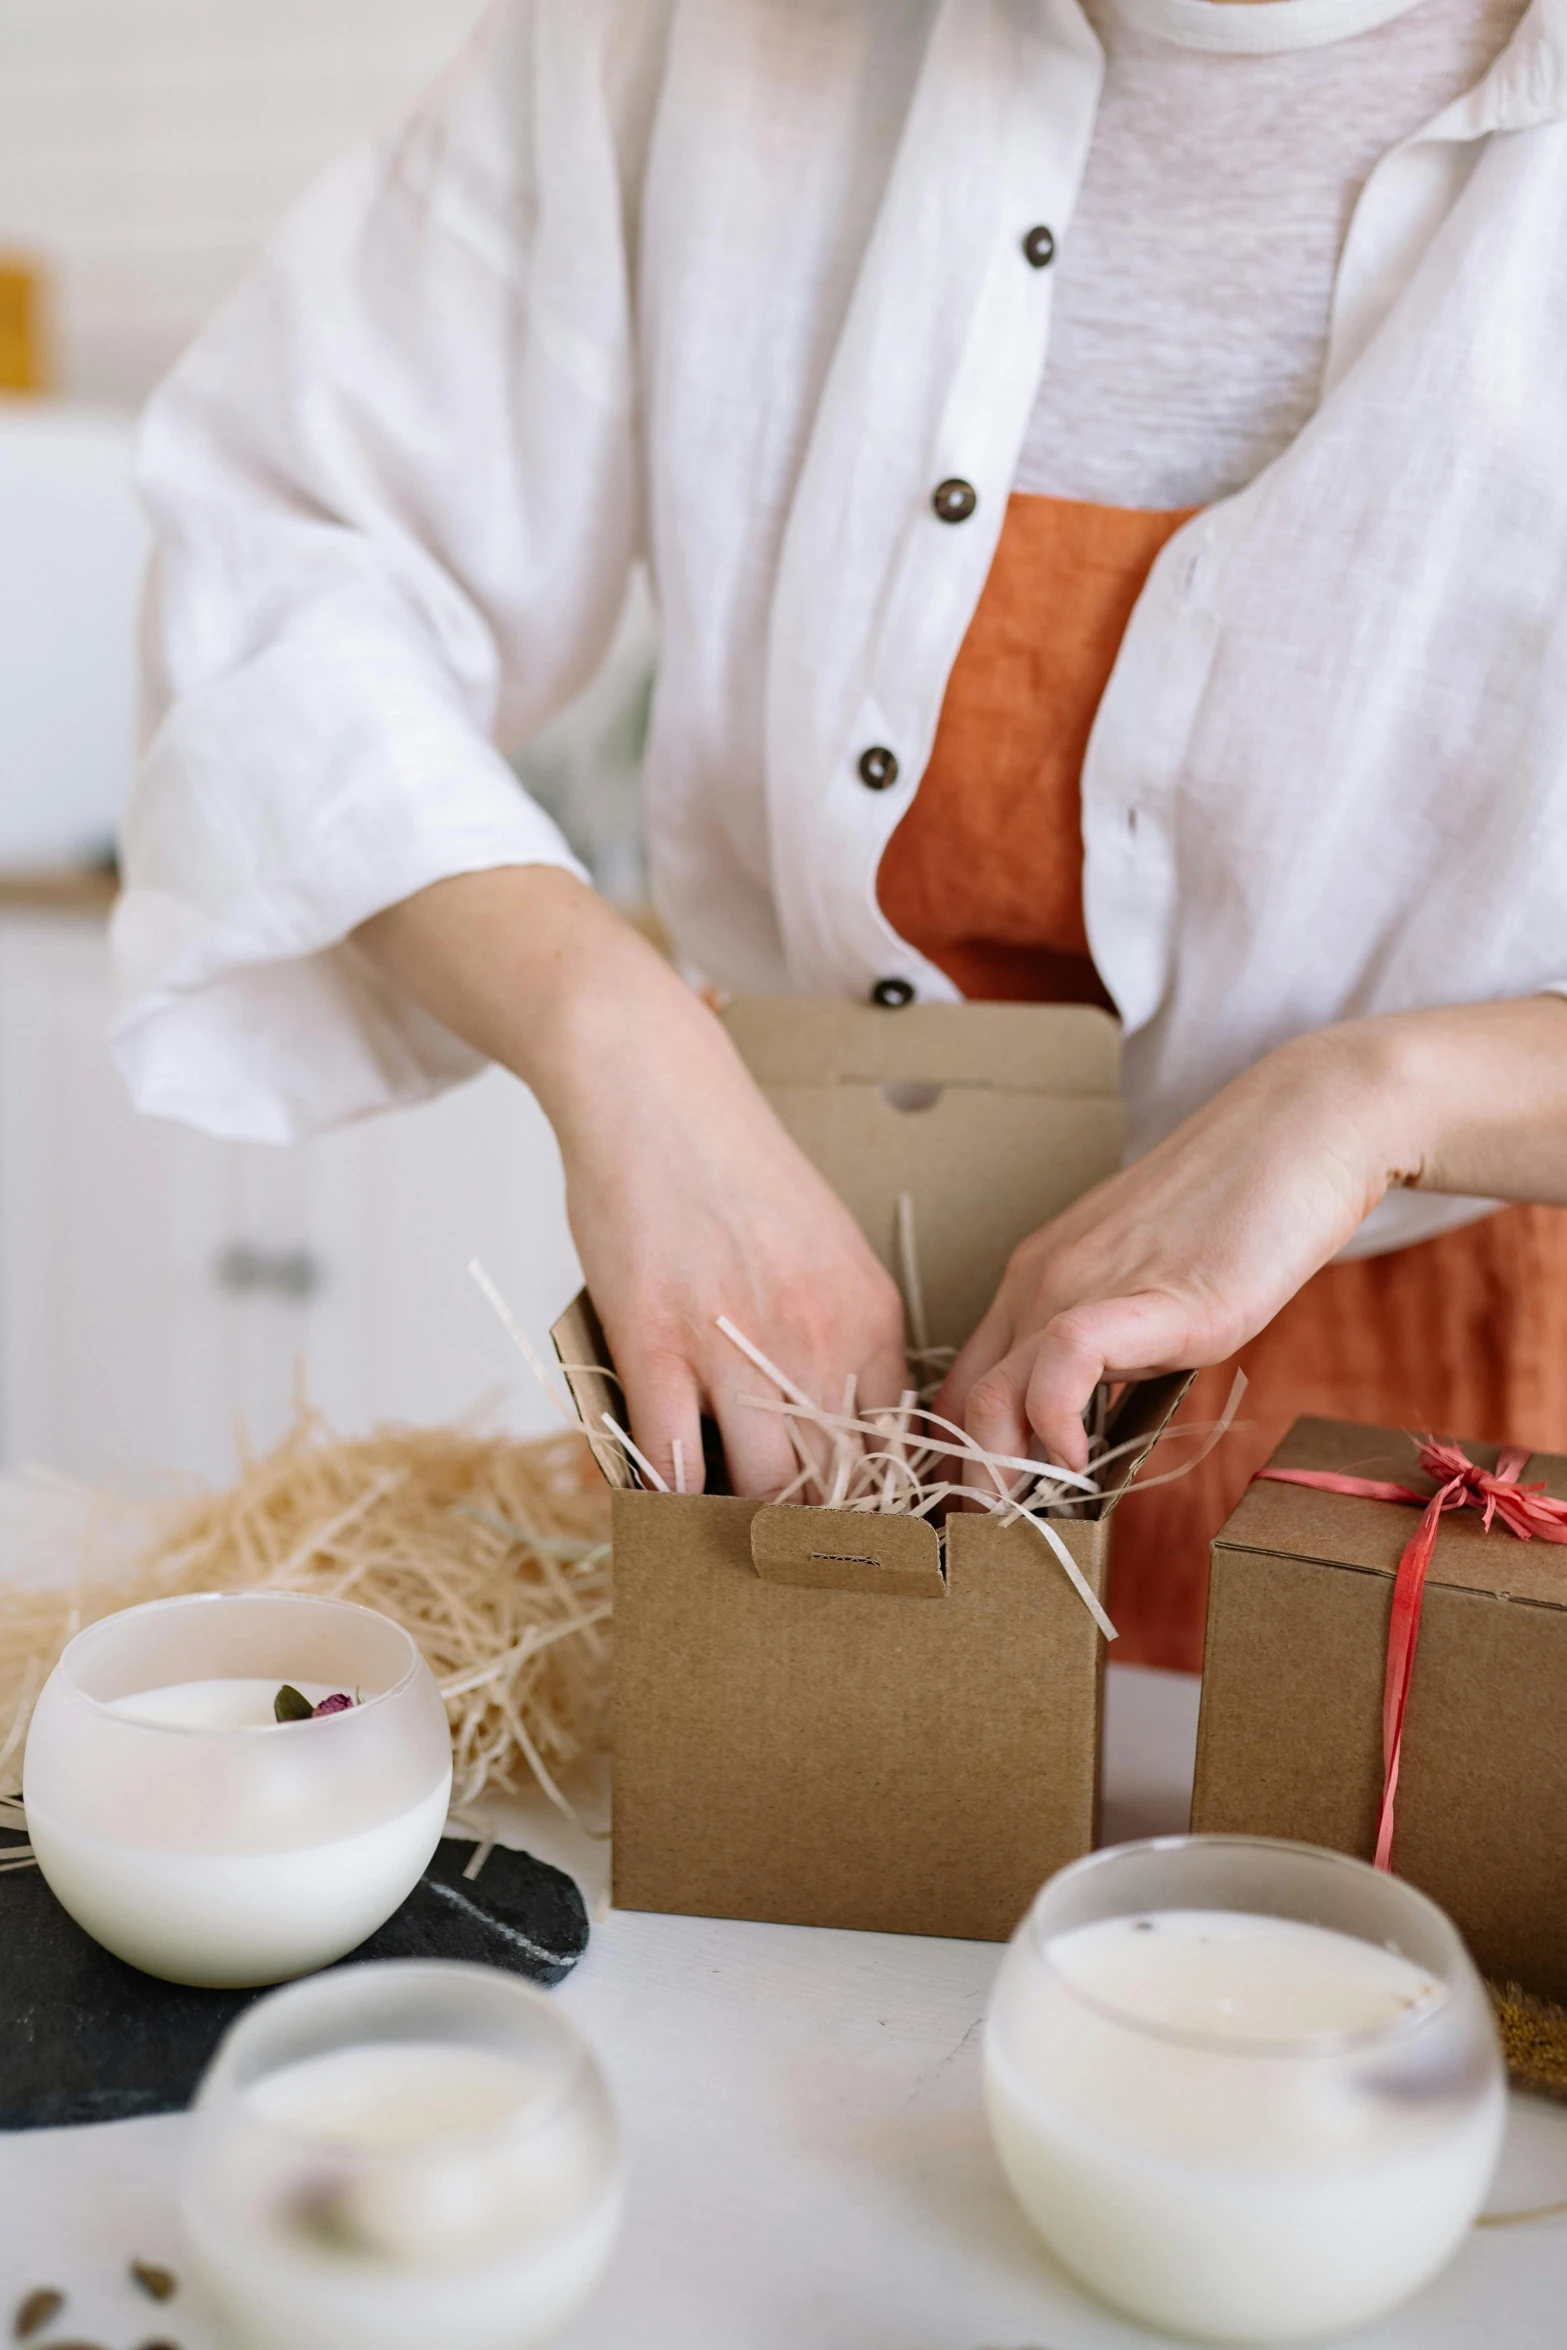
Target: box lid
x,y
988,1119
1335,1529
1070,1051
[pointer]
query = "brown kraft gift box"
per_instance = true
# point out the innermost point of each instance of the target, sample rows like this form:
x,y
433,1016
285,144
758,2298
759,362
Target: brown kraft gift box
x,y
836,1719
1291,1735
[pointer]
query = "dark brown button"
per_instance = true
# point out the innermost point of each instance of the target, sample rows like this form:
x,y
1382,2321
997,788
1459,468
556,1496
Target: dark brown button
x,y
878,770
893,994
955,501
1040,247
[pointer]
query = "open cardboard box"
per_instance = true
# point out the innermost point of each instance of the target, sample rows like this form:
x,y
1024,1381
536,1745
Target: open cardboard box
x,y
831,1718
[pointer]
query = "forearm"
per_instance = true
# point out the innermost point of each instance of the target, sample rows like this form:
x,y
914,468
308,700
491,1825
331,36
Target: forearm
x,y
539,973
687,1199
1471,1098
1186,1254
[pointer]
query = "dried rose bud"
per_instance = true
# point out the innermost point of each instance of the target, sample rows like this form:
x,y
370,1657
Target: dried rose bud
x,y
335,1705
290,1706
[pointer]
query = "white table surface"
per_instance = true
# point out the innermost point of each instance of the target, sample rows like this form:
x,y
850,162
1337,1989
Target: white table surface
x,y
809,2168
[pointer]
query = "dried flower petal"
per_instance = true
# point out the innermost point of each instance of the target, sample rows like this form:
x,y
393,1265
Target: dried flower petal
x,y
36,2311
157,2282
290,1706
334,1705
323,2211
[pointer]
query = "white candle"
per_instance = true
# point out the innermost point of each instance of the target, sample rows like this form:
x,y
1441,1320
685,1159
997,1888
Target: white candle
x,y
195,1835
406,2194
231,1919
1198,2112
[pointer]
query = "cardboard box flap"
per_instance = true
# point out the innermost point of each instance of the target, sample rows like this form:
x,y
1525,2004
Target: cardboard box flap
x,y
1069,1050
991,1119
582,1351
1335,1529
848,1550
1142,1414
584,1360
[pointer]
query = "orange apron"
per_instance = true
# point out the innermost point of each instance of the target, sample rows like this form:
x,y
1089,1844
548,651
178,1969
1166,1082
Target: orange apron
x,y
1465,1335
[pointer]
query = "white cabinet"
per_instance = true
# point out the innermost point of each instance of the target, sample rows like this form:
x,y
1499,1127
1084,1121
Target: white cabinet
x,y
159,1290
73,548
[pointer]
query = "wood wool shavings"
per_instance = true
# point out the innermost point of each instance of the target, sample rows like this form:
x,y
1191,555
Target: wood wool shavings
x,y
1534,2040
888,1463
494,1554
900,1463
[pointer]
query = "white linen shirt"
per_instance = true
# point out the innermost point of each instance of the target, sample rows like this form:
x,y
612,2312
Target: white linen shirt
x,y
734,285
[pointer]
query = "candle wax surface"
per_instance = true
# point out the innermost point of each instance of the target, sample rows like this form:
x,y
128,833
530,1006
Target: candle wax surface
x,y
1224,1975
406,2194
396,2095
1239,2128
216,1705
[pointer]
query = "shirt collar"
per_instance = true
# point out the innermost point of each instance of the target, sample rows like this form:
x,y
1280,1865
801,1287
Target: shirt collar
x,y
1525,87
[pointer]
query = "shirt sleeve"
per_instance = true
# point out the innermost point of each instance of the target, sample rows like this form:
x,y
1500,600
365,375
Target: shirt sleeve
x,y
395,493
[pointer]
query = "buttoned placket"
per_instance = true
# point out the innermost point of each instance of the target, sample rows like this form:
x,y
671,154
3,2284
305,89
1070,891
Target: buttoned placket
x,y
878,689
864,780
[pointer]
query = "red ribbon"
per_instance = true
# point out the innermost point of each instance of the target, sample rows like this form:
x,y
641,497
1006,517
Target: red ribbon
x,y
1525,1510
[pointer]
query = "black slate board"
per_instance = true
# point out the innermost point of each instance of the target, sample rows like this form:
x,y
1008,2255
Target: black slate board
x,y
86,2038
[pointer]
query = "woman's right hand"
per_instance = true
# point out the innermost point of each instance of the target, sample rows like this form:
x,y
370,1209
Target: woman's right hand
x,y
687,1199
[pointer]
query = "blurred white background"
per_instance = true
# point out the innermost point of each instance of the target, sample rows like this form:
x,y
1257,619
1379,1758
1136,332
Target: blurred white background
x,y
147,146
157,1288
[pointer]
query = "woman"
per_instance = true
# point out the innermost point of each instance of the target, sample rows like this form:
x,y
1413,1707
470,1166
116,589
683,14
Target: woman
x,y
1100,477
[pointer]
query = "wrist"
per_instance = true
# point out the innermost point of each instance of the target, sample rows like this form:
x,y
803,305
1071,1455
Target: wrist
x,y
528,965
613,1019
1380,1096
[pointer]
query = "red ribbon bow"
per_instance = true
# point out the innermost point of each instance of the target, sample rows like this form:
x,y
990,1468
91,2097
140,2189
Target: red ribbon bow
x,y
1525,1510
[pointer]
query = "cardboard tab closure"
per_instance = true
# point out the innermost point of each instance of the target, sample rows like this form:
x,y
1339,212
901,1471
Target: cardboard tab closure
x,y
848,1550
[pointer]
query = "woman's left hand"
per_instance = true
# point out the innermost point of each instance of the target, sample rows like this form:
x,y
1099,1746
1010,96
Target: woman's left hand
x,y
1180,1259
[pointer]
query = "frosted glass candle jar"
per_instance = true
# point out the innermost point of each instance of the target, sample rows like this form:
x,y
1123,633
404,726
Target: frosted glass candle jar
x,y
1247,2091
197,1837
402,2157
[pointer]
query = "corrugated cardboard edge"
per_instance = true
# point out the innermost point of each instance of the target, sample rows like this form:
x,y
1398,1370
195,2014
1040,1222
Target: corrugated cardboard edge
x,y
583,1353
1142,1411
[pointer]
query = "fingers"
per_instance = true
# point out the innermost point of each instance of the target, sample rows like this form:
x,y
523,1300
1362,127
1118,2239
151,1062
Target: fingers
x,y
996,1415
990,1345
1041,1390
758,1449
1115,1338
885,1378
764,1450
664,1400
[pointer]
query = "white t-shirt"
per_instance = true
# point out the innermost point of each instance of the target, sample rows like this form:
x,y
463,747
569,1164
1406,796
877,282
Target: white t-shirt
x,y
1194,284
